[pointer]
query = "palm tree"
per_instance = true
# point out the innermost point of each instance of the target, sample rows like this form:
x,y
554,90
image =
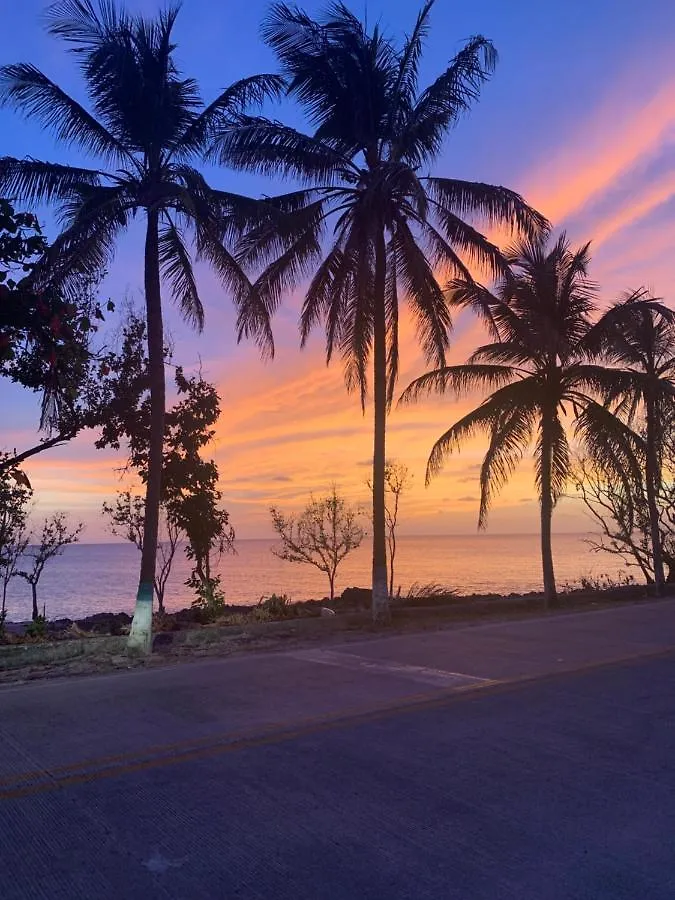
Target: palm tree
x,y
148,126
641,342
367,225
541,365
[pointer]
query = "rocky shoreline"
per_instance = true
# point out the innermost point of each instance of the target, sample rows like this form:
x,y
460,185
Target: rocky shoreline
x,y
352,600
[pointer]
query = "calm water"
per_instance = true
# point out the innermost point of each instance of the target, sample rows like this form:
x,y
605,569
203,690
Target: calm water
x,y
96,577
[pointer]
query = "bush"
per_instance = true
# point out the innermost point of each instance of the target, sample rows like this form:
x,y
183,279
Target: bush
x,y
605,582
210,599
37,629
276,606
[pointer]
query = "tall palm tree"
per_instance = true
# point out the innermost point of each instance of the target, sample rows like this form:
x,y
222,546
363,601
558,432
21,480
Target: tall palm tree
x,y
367,225
148,126
641,342
540,366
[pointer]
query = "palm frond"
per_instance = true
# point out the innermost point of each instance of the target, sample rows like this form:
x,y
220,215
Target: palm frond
x,y
610,442
405,87
458,380
470,242
511,433
79,23
493,204
177,269
424,294
25,88
442,103
559,462
93,219
289,268
256,144
32,181
325,289
235,100
391,313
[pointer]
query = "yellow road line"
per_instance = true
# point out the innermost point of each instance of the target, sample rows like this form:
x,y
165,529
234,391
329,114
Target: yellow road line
x,y
30,783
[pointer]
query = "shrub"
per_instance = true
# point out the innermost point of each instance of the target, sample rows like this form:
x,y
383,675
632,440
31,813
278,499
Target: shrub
x,y
37,629
430,591
210,599
276,606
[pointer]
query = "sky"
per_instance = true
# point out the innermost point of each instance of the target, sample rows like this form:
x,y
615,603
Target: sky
x,y
579,117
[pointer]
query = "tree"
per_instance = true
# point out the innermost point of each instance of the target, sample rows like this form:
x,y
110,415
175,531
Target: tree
x,y
622,510
540,364
396,479
369,226
147,127
190,496
127,519
321,536
15,495
193,500
44,338
56,534
641,342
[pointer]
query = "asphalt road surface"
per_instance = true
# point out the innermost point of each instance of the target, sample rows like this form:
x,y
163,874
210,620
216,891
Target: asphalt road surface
x,y
376,770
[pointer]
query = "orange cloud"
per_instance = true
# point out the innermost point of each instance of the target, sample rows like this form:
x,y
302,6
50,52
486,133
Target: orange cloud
x,y
611,142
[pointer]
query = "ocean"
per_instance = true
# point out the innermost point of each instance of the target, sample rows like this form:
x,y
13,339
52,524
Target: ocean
x,y
91,578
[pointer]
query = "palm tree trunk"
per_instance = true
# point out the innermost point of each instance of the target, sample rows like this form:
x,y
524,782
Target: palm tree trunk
x,y
550,593
381,611
140,636
653,478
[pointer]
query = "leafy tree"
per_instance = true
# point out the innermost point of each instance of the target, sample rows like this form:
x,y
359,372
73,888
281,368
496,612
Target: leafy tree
x,y
321,536
193,500
540,364
641,342
44,338
147,127
15,496
190,495
56,534
126,519
368,225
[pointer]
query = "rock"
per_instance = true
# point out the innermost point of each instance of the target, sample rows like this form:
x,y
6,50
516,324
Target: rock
x,y
105,623
327,613
355,598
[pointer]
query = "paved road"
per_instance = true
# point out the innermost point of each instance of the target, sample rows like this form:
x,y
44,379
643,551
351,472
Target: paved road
x,y
469,764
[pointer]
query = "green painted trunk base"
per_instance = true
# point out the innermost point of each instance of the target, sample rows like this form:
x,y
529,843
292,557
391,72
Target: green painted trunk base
x,y
140,636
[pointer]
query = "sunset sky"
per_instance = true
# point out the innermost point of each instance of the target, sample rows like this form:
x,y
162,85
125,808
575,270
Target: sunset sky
x,y
579,117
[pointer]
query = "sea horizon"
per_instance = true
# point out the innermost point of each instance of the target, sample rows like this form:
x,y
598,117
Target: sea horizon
x,y
102,576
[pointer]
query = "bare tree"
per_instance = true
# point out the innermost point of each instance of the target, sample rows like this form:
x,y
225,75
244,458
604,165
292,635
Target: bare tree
x,y
127,520
397,479
621,511
56,534
322,536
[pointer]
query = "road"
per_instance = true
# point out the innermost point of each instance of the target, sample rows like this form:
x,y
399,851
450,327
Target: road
x,y
532,759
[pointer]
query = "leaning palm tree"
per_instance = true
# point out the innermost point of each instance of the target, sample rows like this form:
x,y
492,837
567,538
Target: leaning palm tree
x,y
367,225
541,365
641,342
148,126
